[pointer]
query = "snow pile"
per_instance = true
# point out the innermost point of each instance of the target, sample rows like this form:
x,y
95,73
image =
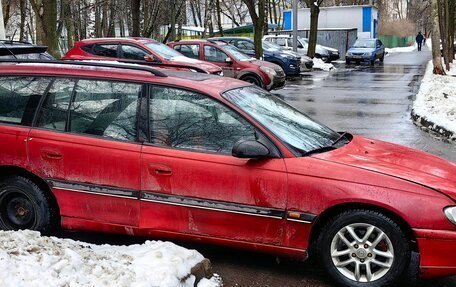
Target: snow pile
x,y
215,281
320,65
436,99
28,259
401,49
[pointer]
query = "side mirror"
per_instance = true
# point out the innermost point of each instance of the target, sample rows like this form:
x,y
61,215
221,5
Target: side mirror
x,y
250,149
228,60
149,58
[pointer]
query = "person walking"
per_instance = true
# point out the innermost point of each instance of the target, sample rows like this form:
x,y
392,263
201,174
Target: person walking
x,y
419,40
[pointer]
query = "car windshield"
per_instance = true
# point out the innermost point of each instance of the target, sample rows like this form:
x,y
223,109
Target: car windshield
x,y
163,50
271,46
236,53
291,126
364,44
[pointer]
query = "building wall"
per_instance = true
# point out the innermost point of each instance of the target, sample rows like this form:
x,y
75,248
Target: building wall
x,y
363,18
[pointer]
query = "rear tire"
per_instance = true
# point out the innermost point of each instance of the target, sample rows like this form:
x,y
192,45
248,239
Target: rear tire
x,y
360,260
382,58
347,62
372,62
253,80
23,205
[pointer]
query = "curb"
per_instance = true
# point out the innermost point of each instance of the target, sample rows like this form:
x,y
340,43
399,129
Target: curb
x,y
431,127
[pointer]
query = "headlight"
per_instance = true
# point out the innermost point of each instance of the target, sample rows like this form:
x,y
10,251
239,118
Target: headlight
x,y
368,54
450,213
269,71
349,54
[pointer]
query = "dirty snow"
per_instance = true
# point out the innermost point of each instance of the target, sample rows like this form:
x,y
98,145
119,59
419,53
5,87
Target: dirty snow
x,y
28,259
401,49
436,99
215,281
320,65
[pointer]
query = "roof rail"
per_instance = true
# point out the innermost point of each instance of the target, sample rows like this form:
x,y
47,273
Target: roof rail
x,y
145,63
88,64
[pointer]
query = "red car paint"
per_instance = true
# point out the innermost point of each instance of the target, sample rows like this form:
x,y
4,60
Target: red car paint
x,y
238,69
409,184
79,53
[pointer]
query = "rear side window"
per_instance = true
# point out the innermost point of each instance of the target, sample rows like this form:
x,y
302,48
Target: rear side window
x,y
101,108
105,109
87,48
213,54
105,50
191,51
19,97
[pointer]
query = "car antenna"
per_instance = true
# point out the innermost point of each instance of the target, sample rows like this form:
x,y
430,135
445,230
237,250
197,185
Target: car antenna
x,y
8,49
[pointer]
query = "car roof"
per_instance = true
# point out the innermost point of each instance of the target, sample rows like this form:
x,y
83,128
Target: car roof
x,y
213,84
123,40
233,38
8,47
217,42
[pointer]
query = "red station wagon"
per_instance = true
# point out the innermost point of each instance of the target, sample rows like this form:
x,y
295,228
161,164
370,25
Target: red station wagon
x,y
234,63
135,49
181,155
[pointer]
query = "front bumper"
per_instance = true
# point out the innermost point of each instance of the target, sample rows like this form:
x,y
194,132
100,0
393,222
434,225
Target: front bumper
x,y
277,83
334,56
437,252
359,58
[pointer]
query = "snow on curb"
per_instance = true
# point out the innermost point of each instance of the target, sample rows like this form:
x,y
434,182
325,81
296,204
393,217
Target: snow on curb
x,y
435,105
320,65
28,259
401,49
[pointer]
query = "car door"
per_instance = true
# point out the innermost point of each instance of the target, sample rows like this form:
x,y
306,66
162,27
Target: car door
x,y
84,144
191,184
132,52
217,56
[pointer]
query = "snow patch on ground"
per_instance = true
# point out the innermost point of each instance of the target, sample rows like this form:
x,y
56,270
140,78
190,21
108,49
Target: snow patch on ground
x,y
401,49
28,259
436,99
320,65
215,281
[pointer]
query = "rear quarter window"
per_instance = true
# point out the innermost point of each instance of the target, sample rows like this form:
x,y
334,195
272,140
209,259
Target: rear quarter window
x,y
19,97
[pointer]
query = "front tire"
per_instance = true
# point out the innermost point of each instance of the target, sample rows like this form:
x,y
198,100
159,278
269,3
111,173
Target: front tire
x,y
23,205
253,80
363,248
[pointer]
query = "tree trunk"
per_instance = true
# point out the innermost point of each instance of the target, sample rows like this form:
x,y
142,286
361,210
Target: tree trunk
x,y
258,23
219,17
436,57
314,11
46,24
135,8
23,11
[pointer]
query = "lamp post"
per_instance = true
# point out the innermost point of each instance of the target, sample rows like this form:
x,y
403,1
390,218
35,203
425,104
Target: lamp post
x,y
2,26
295,25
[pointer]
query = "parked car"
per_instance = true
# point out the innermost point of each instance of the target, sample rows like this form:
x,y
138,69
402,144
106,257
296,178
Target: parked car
x,y
23,50
234,63
291,64
141,50
306,62
327,54
366,50
179,155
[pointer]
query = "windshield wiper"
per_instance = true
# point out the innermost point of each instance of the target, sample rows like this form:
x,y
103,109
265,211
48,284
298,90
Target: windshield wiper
x,y
342,136
326,148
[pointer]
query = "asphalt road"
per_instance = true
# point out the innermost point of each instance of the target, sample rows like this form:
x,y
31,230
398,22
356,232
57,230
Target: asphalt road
x,y
369,101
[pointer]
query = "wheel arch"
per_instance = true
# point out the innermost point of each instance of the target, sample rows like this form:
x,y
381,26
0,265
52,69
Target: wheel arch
x,y
8,170
252,74
321,220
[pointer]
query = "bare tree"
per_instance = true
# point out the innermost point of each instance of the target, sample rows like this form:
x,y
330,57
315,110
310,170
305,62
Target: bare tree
x,y
436,58
258,20
314,6
135,17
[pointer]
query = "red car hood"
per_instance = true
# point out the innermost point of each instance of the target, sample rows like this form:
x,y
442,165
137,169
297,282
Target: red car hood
x,y
182,60
265,64
398,161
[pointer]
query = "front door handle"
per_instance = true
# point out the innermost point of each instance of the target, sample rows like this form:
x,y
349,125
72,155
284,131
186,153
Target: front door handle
x,y
51,154
159,169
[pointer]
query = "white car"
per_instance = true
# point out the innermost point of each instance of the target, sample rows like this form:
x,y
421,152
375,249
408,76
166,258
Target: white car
x,y
327,54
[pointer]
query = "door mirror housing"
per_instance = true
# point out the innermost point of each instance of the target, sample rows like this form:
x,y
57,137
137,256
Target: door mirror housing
x,y
228,60
149,58
250,149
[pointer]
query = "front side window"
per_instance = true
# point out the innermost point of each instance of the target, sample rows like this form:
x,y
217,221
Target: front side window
x,y
281,42
19,97
213,54
291,126
133,53
245,45
182,119
105,50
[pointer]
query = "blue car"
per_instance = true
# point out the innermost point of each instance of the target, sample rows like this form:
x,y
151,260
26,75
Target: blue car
x,y
290,63
366,50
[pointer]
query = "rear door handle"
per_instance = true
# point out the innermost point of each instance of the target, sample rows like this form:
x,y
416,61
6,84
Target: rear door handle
x,y
51,154
159,169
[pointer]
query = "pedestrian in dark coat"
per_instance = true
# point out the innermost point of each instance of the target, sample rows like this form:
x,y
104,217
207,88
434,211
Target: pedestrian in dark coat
x,y
419,40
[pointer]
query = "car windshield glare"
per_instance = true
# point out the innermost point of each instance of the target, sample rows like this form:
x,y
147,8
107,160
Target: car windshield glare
x,y
364,44
236,53
163,50
288,124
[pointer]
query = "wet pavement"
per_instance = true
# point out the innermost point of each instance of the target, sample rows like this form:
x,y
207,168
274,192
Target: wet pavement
x,y
369,101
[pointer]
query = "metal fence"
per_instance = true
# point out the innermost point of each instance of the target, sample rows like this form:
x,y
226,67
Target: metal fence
x,y
391,41
340,39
